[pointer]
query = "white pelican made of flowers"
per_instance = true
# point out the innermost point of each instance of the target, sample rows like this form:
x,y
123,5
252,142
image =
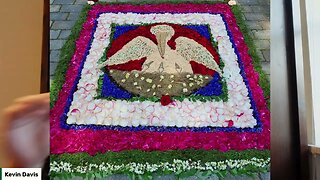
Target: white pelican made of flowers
x,y
161,58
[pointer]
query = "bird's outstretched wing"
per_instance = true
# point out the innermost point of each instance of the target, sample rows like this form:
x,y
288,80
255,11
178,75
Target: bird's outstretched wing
x,y
191,50
137,48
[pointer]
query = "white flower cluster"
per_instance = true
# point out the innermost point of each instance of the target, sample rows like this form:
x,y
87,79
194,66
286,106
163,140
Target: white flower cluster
x,y
87,110
60,167
180,114
176,166
232,2
90,2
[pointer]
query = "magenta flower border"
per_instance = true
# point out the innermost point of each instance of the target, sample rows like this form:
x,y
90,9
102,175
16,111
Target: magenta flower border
x,y
93,141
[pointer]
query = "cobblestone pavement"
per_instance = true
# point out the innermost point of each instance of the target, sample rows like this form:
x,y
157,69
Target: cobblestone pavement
x,y
257,16
64,13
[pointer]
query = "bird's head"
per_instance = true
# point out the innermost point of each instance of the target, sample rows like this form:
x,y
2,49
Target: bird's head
x,y
163,34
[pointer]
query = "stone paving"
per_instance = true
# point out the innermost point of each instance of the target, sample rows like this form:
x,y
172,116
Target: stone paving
x,y
257,16
64,13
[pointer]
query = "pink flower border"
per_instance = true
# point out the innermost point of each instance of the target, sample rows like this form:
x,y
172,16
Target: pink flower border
x,y
93,141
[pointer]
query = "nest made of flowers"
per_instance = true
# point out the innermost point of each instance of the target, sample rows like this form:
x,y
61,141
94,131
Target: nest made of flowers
x,y
150,84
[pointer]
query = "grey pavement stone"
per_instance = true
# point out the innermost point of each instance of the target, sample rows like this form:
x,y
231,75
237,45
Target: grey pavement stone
x,y
254,2
266,54
55,8
266,67
264,24
63,1
248,2
265,176
58,16
54,34
62,24
56,44
117,177
71,8
80,2
51,23
263,34
51,1
64,34
262,44
255,16
54,56
246,9
73,16
254,25
53,67
261,9
264,2
231,177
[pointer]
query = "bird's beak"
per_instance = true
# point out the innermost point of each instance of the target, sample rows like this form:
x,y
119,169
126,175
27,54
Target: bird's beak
x,y
162,40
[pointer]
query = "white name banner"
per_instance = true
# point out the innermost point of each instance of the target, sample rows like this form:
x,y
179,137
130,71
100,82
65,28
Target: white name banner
x,y
21,173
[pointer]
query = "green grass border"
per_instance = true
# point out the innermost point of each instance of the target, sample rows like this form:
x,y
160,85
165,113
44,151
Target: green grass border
x,y
155,157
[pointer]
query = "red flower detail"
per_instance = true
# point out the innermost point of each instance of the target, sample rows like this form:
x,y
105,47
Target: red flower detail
x,y
165,100
230,123
129,66
201,69
239,115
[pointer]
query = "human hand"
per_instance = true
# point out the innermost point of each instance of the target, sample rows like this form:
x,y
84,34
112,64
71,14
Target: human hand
x,y
25,131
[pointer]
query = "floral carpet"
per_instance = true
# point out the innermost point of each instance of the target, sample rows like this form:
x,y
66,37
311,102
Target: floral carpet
x,y
159,89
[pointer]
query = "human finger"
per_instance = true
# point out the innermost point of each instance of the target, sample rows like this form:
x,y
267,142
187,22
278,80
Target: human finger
x,y
26,105
34,99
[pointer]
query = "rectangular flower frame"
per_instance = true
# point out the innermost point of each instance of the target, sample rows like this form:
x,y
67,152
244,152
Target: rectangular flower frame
x,y
72,139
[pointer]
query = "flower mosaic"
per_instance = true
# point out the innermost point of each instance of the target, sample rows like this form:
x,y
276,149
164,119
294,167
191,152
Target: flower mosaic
x,y
158,78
